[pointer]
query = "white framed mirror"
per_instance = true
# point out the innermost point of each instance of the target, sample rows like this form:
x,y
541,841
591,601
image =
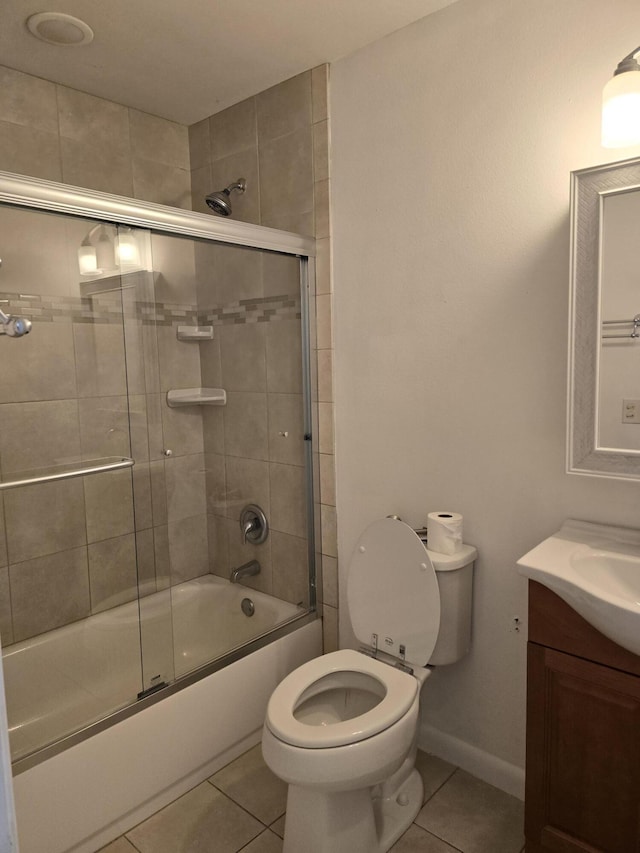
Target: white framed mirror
x,y
604,348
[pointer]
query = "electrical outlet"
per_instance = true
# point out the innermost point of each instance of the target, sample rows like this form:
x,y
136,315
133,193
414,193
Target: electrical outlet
x,y
631,411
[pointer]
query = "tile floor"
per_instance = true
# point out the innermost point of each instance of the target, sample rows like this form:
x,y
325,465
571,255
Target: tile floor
x,y
241,808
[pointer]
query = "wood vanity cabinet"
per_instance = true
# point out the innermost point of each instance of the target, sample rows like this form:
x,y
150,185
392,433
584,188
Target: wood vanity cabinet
x,y
582,788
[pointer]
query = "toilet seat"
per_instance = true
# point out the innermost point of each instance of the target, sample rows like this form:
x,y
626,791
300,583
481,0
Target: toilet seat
x,y
399,692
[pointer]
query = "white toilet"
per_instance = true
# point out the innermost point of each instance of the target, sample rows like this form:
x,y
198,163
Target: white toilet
x,y
342,728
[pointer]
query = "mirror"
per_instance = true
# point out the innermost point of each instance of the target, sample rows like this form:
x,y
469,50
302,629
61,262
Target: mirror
x,y
604,352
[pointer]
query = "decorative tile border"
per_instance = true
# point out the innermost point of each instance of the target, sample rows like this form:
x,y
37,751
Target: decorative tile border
x,y
113,307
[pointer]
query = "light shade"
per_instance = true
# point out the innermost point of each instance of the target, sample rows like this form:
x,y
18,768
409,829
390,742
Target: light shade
x,y
127,251
88,260
621,105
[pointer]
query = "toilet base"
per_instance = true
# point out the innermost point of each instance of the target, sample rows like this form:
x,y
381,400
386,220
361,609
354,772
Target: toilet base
x,y
349,821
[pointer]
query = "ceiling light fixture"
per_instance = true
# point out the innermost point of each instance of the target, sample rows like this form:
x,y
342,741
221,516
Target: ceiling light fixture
x,y
621,105
59,29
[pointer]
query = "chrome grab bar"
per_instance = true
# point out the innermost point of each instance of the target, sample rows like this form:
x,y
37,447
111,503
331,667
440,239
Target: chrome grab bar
x,y
49,475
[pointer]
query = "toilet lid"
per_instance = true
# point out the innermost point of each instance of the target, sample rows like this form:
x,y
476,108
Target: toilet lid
x,y
392,591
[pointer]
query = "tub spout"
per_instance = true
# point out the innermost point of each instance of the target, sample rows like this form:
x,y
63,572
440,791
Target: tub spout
x,y
247,570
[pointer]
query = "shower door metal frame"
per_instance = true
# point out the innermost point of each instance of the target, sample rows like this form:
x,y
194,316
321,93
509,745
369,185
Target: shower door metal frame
x,y
52,197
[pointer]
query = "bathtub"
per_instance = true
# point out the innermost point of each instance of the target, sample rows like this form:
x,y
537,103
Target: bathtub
x,y
83,797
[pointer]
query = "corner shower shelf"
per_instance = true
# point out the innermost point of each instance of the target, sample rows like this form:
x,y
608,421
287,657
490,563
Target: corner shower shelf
x,y
66,472
195,333
196,397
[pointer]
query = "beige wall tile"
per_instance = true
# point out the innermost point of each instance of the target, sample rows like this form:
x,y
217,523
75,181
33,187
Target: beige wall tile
x,y
232,273
158,493
327,479
245,425
6,621
322,208
201,186
324,334
108,502
143,506
155,138
330,641
29,151
179,361
329,531
280,275
213,428
161,552
49,592
100,361
320,92
38,435
242,164
162,184
35,252
97,166
182,429
284,108
218,539
286,429
233,130
286,175
290,568
44,519
3,535
216,484
41,368
330,580
321,151
90,120
199,144
188,548
146,562
288,505
323,266
247,483
211,362
112,572
104,427
325,428
284,357
243,357
28,101
325,375
297,223
186,493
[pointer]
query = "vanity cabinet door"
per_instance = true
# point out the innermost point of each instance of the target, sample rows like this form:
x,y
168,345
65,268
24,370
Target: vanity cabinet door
x,y
583,756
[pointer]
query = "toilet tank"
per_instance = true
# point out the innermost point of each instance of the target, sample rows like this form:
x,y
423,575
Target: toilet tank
x,y
455,580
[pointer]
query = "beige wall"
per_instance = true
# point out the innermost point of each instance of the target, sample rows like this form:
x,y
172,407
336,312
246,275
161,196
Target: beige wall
x,y
451,263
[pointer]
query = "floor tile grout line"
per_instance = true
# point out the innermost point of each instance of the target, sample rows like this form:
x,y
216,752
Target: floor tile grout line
x,y
240,806
440,787
266,829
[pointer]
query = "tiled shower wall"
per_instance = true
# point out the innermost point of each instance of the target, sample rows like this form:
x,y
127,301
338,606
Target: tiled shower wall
x,y
49,131
279,141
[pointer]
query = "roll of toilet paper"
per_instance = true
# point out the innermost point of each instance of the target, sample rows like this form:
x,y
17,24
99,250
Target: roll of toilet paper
x,y
444,532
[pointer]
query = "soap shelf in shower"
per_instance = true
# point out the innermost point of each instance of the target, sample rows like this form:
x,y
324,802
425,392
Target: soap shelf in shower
x,y
65,472
196,397
195,333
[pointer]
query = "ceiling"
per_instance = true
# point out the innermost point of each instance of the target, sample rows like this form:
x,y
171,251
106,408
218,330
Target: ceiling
x,y
187,59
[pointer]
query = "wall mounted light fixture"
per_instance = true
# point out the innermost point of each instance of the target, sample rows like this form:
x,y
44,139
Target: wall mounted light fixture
x,y
621,105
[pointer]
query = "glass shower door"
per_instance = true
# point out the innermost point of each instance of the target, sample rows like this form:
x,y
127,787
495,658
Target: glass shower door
x,y
70,554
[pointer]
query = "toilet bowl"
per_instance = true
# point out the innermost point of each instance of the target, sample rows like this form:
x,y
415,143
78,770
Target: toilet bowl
x,y
341,730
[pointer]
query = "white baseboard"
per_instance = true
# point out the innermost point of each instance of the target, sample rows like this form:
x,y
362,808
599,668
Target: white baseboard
x,y
483,765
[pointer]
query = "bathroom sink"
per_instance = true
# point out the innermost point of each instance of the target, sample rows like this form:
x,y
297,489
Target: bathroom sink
x,y
595,568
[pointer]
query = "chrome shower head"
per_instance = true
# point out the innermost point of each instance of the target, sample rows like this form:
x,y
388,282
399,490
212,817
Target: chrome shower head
x,y
219,201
